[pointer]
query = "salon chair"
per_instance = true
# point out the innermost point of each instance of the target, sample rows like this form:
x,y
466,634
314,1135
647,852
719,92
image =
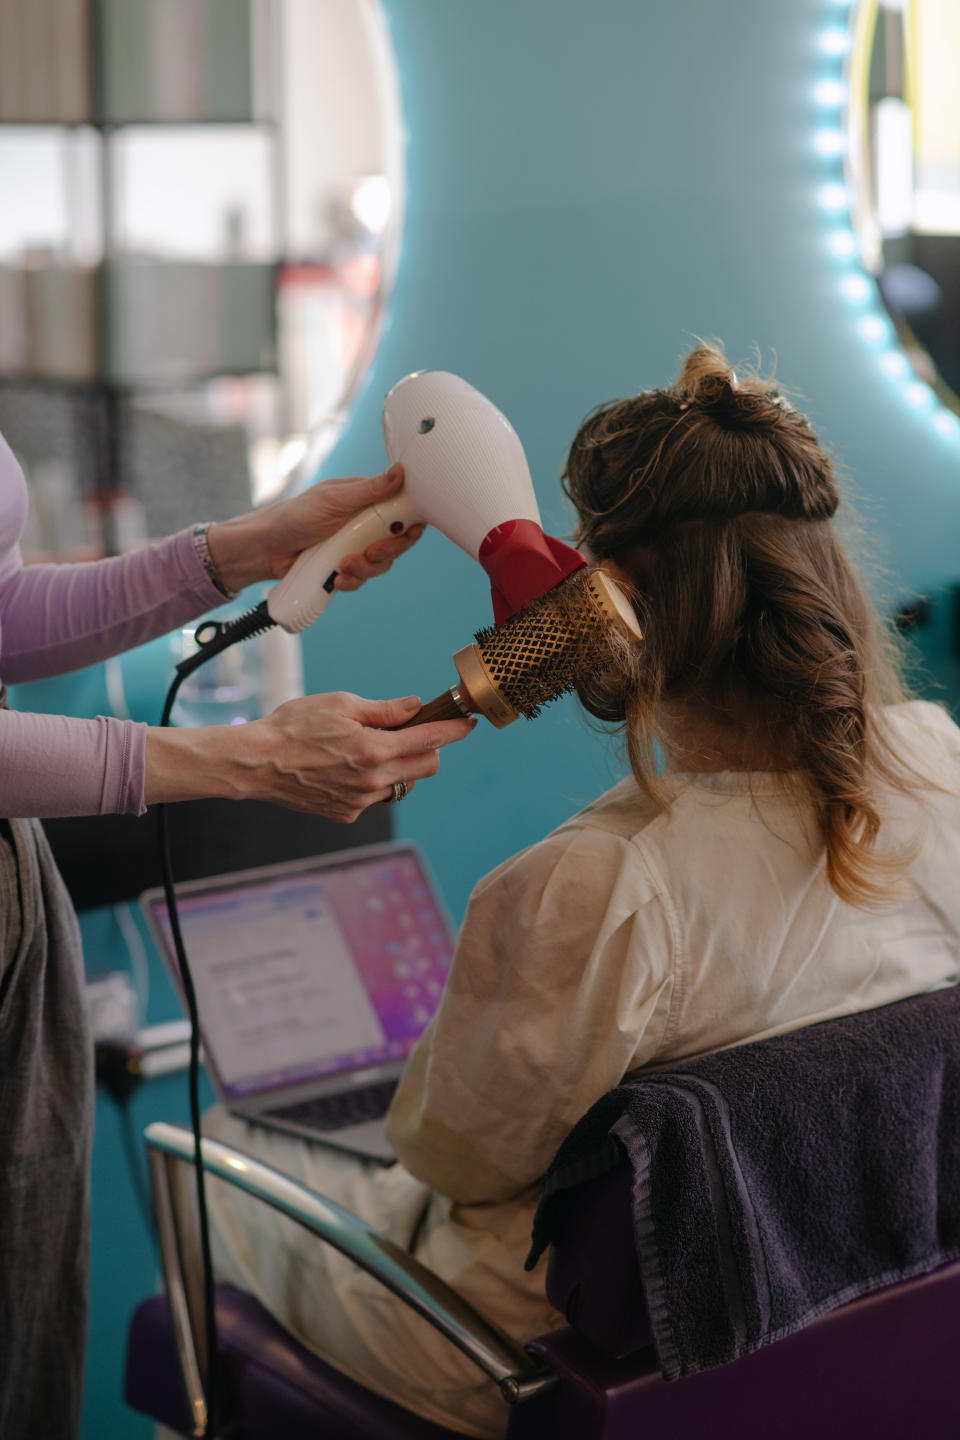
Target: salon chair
x,y
884,1365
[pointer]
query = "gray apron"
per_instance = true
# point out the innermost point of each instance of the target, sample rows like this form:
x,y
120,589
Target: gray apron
x,y
46,1125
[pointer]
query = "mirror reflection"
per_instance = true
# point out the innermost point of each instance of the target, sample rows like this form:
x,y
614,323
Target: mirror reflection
x,y
193,279
905,160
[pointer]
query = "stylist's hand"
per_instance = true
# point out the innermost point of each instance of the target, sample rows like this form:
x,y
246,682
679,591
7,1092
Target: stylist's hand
x,y
332,755
263,544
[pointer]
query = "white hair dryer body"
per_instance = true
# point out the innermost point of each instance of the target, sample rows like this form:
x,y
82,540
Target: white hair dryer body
x,y
465,474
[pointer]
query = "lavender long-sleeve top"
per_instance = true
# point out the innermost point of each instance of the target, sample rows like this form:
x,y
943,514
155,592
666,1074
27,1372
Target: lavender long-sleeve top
x,y
55,618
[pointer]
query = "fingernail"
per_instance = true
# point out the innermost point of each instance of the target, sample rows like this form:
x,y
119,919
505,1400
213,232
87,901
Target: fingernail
x,y
412,702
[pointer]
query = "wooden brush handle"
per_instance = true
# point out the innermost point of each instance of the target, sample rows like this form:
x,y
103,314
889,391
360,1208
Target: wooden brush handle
x,y
444,707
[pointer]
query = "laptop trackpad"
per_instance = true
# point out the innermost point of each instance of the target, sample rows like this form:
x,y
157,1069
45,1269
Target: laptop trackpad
x,y
367,1139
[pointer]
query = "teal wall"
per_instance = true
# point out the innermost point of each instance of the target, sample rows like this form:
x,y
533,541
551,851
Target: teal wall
x,y
590,186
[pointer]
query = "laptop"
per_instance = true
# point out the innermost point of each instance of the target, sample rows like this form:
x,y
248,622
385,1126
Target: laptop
x,y
314,981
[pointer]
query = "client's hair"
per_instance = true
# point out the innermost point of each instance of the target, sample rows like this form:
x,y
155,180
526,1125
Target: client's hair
x,y
716,498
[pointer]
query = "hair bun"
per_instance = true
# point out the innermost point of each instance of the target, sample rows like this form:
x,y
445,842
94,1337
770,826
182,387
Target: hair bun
x,y
706,373
710,382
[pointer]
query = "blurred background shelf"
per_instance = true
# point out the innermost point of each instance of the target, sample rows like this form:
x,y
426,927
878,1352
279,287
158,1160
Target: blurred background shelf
x,y
127,61
102,304
196,255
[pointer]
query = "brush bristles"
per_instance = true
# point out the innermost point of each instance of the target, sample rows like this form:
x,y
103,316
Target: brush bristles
x,y
541,652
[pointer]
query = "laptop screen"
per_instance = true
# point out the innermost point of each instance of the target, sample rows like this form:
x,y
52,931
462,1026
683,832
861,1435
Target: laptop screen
x,y
309,969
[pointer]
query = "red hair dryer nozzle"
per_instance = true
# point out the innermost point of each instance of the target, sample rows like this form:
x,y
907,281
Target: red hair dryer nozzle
x,y
524,563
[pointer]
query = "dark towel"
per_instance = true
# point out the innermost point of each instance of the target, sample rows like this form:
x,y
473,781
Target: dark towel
x,y
779,1179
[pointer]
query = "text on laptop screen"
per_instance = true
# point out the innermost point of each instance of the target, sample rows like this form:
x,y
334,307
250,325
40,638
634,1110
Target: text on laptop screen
x,y
306,974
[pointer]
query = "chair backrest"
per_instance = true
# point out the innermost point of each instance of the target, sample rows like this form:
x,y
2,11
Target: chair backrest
x,y
768,1182
593,1277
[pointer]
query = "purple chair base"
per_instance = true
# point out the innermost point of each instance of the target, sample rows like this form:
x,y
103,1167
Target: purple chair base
x,y
271,1384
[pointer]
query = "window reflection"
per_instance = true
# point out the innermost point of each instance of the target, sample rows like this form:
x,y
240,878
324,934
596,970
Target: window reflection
x,y
191,284
906,111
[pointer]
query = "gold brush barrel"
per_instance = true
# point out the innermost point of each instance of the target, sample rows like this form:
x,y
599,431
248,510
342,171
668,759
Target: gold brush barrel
x,y
539,653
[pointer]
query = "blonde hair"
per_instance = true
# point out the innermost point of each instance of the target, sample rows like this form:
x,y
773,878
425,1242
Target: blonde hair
x,y
716,498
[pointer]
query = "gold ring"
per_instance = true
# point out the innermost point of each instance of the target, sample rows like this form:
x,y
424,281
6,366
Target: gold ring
x,y
400,788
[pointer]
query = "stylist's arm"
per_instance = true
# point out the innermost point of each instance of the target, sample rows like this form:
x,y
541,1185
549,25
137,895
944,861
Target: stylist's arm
x,y
331,754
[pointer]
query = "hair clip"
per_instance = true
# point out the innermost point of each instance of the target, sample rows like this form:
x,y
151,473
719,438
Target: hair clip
x,y
733,382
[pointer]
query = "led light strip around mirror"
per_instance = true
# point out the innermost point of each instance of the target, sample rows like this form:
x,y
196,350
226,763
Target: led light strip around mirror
x,y
839,96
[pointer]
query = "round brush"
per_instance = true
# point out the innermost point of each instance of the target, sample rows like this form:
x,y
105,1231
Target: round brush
x,y
539,654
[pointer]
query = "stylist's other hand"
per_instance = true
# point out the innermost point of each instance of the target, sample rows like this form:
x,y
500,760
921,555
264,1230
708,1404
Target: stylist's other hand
x,y
331,755
263,544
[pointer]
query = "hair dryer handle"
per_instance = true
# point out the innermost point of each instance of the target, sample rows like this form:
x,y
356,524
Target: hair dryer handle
x,y
304,592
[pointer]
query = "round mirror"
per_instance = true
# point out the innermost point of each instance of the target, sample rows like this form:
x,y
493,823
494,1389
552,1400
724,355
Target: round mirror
x,y
905,164
193,276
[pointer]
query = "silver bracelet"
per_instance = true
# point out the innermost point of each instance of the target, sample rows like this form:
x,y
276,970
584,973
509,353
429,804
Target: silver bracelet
x,y
202,547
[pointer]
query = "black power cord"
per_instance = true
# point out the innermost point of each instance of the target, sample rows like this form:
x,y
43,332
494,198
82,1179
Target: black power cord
x,y
212,639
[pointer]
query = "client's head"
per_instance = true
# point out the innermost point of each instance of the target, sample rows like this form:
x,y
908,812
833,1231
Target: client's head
x,y
714,499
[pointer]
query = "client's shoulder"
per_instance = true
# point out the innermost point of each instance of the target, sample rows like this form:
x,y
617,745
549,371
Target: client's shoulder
x,y
924,736
595,843
623,811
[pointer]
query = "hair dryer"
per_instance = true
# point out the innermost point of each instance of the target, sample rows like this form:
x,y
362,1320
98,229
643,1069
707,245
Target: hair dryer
x,y
466,474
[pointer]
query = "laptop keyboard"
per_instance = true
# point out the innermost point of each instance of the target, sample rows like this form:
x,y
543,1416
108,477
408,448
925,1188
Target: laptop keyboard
x,y
333,1112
